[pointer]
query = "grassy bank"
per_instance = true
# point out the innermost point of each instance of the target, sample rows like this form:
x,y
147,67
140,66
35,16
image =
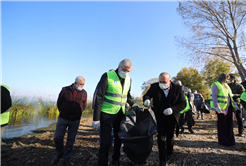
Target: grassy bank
x,y
21,107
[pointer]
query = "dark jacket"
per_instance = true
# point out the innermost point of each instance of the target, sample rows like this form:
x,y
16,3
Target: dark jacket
x,y
6,101
70,108
175,97
237,90
198,99
244,84
99,98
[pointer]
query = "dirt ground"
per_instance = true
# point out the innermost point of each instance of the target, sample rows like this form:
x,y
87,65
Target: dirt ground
x,y
200,148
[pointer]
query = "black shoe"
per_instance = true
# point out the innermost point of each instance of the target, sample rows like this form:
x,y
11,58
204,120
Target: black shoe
x,y
169,158
116,163
56,159
191,131
67,163
182,131
162,163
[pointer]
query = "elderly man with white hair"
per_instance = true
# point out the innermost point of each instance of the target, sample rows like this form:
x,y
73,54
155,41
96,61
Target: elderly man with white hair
x,y
71,103
111,97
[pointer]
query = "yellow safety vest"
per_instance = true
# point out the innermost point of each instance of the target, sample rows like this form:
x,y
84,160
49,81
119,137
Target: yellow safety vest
x,y
222,95
116,96
187,108
243,96
5,115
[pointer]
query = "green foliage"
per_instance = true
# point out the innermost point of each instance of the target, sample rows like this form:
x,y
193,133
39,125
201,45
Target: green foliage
x,y
47,107
146,85
88,109
138,101
21,107
191,78
214,68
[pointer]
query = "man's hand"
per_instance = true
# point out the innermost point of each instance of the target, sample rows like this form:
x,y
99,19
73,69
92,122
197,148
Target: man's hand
x,y
96,124
218,110
147,103
168,111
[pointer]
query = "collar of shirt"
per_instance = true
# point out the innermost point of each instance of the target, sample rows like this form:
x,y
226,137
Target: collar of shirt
x,y
166,91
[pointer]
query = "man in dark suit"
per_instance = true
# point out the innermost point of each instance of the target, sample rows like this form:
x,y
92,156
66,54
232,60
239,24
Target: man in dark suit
x,y
168,101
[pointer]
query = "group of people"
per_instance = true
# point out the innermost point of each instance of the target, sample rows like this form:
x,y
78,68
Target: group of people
x,y
110,100
226,97
172,103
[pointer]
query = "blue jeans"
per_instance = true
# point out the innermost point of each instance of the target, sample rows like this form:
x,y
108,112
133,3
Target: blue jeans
x,y
61,127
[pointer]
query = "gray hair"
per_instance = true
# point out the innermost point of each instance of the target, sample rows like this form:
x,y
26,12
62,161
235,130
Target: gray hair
x,y
179,82
126,62
222,77
79,78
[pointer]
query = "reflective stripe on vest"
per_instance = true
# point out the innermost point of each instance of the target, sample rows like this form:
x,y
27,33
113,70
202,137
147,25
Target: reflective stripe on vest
x,y
5,115
187,108
222,95
115,97
243,96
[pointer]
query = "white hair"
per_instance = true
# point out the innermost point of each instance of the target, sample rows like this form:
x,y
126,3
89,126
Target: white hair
x,y
126,62
79,78
179,82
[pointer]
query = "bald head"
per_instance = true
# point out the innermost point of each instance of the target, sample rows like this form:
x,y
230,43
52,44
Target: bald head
x,y
164,80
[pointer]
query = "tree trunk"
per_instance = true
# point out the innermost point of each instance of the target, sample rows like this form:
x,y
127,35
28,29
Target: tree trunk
x,y
241,70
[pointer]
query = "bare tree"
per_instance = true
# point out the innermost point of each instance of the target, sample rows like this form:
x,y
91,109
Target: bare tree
x,y
218,29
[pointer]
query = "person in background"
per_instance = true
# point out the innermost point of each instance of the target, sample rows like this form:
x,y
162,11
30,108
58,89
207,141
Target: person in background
x,y
243,102
221,101
187,115
113,93
237,90
6,103
168,101
198,101
71,102
193,108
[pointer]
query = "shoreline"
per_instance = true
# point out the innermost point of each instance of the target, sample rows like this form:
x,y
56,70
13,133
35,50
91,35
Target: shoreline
x,y
51,127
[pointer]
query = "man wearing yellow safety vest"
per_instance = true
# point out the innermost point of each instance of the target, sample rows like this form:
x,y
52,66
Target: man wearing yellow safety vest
x,y
6,103
187,112
112,95
221,101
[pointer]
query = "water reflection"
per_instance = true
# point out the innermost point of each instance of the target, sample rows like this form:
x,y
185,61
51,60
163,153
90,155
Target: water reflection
x,y
24,125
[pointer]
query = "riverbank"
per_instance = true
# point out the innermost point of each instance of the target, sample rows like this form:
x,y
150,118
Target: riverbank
x,y
201,148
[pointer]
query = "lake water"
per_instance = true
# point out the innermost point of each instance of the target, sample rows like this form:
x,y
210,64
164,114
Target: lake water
x,y
25,125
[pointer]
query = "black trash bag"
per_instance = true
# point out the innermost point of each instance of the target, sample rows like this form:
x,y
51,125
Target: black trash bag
x,y
136,132
204,108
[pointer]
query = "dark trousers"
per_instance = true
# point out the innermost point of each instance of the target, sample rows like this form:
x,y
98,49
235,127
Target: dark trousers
x,y
188,116
244,106
61,127
225,128
106,129
239,116
165,128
